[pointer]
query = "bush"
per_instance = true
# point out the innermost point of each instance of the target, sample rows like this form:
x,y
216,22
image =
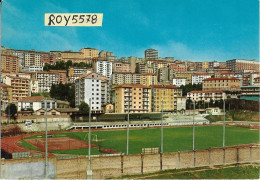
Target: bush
x,y
11,130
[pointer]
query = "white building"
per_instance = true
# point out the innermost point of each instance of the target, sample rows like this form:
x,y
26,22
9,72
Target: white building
x,y
179,81
181,104
34,86
36,103
94,86
104,68
33,68
46,80
199,77
206,95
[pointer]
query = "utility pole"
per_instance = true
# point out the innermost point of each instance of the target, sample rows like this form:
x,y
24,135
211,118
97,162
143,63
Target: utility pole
x,y
127,132
224,121
46,141
89,172
162,129
193,127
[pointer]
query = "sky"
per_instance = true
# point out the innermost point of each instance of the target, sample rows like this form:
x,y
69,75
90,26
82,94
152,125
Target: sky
x,y
196,30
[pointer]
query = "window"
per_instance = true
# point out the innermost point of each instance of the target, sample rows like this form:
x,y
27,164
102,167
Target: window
x,y
53,113
42,113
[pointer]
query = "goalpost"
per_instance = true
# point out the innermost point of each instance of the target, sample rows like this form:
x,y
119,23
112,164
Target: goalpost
x,y
94,137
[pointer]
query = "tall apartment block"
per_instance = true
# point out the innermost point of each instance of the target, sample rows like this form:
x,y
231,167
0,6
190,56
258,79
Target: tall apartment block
x,y
166,94
151,54
89,53
198,77
46,80
237,65
9,63
20,87
136,97
104,68
94,86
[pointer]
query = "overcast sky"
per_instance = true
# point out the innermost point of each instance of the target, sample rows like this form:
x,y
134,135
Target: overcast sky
x,y
197,30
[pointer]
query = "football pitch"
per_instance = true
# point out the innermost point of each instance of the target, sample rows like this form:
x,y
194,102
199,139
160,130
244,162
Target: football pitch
x,y
174,139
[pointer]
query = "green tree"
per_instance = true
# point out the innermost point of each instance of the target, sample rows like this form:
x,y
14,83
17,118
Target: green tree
x,y
83,108
11,110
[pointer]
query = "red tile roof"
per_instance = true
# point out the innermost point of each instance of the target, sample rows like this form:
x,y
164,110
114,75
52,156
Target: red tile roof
x,y
32,99
198,74
164,86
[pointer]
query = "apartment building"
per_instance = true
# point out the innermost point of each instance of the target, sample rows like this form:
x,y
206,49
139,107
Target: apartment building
x,y
185,75
141,68
163,75
120,67
179,82
32,68
94,86
9,63
32,58
89,53
76,72
198,77
151,54
206,95
242,64
166,93
6,95
104,68
46,80
178,67
221,83
146,79
62,75
20,87
135,97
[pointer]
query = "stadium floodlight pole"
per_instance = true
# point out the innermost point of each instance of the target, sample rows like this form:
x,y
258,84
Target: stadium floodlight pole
x,y
0,83
89,172
162,129
127,132
224,123
46,140
193,128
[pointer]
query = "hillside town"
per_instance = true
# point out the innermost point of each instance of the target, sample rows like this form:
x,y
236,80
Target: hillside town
x,y
116,85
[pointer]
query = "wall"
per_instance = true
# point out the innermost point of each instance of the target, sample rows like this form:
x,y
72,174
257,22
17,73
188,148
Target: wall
x,y
116,165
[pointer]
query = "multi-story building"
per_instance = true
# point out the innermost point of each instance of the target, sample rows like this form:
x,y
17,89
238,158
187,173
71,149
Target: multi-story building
x,y
163,75
20,86
206,95
76,72
120,67
198,77
166,94
9,63
6,95
92,86
250,92
135,97
241,64
179,82
32,58
151,54
32,68
46,80
104,68
178,67
89,53
221,83
185,75
62,75
131,78
141,68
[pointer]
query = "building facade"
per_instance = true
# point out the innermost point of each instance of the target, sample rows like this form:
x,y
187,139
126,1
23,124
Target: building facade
x,y
9,63
151,54
92,86
241,64
104,68
221,83
135,97
179,82
198,77
206,95
46,80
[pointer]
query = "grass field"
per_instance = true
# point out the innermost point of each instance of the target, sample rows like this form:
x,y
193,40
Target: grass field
x,y
175,138
239,172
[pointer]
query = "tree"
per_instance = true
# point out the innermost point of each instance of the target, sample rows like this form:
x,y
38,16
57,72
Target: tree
x,y
83,108
11,110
